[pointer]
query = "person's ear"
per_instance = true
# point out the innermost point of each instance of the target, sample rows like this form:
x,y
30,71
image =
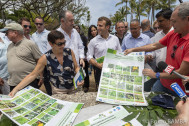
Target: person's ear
x,y
108,27
50,43
62,20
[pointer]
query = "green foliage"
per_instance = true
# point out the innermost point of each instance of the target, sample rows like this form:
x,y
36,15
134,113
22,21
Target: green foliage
x,y
5,121
140,8
48,9
151,113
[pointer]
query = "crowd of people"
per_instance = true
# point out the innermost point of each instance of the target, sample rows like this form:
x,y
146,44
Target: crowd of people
x,y
53,57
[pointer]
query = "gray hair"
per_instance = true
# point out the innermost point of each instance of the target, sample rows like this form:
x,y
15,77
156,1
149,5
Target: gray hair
x,y
135,20
183,10
119,22
62,14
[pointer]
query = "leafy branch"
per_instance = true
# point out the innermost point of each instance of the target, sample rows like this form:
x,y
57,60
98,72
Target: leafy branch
x,y
151,113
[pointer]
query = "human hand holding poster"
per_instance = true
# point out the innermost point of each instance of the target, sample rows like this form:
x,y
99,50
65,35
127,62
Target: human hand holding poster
x,y
121,79
32,107
80,75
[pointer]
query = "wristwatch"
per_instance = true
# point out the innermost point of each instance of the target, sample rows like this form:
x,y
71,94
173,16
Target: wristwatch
x,y
157,75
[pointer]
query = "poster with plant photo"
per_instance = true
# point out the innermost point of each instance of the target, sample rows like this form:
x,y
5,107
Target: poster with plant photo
x,y
121,80
31,107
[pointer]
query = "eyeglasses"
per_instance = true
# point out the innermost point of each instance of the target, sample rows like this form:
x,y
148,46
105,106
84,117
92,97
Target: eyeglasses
x,y
38,23
7,32
174,50
156,28
25,26
60,43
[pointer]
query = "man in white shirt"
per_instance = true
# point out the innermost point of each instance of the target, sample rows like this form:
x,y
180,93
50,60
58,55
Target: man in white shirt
x,y
72,37
40,36
163,18
98,45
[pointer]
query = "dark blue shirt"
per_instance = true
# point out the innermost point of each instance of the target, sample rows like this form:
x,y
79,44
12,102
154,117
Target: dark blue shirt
x,y
149,33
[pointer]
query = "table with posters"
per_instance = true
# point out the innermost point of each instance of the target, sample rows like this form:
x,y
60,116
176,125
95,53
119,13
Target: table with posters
x,y
32,107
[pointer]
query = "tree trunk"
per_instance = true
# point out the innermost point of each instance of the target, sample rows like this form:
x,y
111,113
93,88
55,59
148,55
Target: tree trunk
x,y
126,10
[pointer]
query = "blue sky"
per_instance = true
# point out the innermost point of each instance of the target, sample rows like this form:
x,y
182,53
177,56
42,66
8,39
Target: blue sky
x,y
106,8
100,8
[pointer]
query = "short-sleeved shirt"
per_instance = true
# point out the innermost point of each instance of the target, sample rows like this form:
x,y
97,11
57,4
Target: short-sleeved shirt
x,y
22,59
181,54
60,76
3,56
98,46
41,40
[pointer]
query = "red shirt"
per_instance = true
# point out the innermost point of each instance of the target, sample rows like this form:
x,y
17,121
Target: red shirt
x,y
181,54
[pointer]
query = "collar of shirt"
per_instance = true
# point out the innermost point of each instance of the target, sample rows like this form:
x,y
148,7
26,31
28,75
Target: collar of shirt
x,y
186,37
41,32
164,33
19,42
131,37
146,31
60,28
100,37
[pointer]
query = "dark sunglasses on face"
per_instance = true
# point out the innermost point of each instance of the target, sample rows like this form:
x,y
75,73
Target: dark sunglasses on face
x,y
174,49
38,23
156,28
61,43
25,26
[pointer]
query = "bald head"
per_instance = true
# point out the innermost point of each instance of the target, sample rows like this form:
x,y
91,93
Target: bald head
x,y
67,21
145,25
135,28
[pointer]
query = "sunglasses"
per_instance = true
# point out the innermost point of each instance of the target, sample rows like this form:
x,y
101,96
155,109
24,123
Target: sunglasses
x,y
60,43
29,26
156,28
174,50
38,23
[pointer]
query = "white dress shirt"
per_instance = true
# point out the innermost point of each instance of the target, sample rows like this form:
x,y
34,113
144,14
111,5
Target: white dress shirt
x,y
160,54
98,46
75,43
41,40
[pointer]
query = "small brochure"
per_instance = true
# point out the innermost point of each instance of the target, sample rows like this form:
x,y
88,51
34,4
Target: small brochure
x,y
79,77
100,60
111,117
31,107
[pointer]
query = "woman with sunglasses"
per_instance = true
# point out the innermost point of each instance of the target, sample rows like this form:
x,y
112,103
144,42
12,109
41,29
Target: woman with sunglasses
x,y
59,66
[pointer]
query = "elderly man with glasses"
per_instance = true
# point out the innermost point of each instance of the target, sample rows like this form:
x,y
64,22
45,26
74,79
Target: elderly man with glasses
x,y
40,36
177,42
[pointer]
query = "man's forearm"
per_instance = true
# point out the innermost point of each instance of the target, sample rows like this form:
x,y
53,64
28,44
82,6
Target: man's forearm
x,y
148,48
94,63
